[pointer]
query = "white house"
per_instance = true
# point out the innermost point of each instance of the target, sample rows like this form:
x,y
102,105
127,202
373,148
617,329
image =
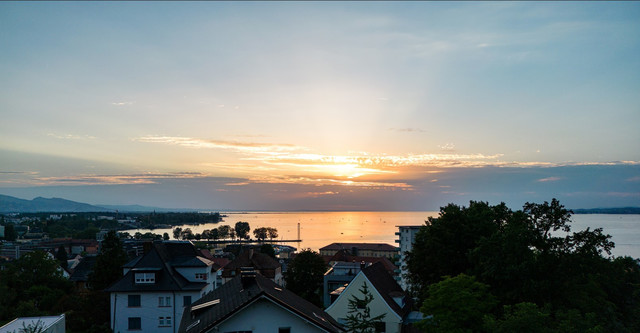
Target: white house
x,y
388,298
156,287
406,238
251,303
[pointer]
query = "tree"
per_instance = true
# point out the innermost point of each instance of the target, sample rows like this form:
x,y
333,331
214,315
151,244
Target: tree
x,y
10,233
523,317
443,245
165,236
62,257
242,229
177,232
529,257
305,276
457,304
260,233
108,267
32,285
224,231
359,318
268,250
272,233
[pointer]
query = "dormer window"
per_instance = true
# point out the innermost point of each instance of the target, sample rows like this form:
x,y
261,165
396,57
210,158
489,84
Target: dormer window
x,y
201,276
145,277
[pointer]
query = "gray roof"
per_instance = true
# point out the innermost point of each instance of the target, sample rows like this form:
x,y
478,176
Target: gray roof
x,y
162,260
387,286
82,271
232,297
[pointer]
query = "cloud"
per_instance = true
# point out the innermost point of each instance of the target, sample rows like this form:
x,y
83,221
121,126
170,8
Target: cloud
x,y
251,147
549,179
146,178
71,136
633,179
126,103
321,181
448,147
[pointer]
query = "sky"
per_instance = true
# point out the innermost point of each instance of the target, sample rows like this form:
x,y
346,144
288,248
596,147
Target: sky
x,y
321,105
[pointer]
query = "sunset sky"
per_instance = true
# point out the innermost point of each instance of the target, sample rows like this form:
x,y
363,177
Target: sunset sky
x,y
321,105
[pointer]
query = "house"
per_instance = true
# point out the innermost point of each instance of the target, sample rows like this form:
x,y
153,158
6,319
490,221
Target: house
x,y
262,263
251,302
344,267
339,275
48,324
406,238
362,249
81,271
157,285
388,298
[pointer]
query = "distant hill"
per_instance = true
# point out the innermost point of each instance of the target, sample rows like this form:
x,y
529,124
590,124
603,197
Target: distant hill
x,y
620,210
10,204
142,209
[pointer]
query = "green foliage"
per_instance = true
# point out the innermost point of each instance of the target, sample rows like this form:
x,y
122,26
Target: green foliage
x,y
523,317
457,304
10,233
32,286
305,276
530,257
61,256
268,250
108,266
359,318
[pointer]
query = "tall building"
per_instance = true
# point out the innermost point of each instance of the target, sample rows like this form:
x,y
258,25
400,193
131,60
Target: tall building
x,y
406,237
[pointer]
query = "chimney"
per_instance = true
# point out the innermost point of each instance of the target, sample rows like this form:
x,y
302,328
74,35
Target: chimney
x,y
247,276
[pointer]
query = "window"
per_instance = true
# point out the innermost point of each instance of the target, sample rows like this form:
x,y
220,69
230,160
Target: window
x,y
164,301
186,300
135,323
164,321
145,277
201,276
284,329
134,301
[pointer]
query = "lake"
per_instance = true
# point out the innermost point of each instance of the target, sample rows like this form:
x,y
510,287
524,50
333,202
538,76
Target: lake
x,y
318,229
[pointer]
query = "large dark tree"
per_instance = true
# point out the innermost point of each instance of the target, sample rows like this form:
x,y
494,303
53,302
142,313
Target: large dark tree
x,y
62,257
533,263
305,276
108,267
32,285
242,229
442,247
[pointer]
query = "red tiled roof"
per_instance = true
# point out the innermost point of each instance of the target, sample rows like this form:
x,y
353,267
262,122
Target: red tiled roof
x,y
360,246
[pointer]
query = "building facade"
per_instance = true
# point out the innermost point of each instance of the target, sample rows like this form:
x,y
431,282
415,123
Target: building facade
x,y
406,238
157,286
362,249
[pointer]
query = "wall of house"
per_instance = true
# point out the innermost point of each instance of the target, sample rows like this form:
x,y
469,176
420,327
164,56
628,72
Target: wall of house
x,y
189,273
149,310
340,308
265,316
